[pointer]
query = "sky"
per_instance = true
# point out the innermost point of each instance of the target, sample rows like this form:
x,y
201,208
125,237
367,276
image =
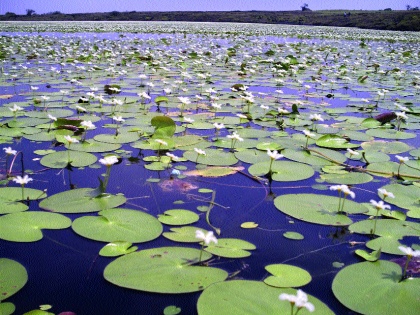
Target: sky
x,y
88,6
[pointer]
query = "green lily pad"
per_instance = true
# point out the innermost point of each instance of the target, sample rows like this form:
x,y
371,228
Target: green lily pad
x,y
249,225
312,158
27,226
252,156
283,171
178,217
119,225
13,278
390,134
286,276
163,270
373,256
406,172
374,288
185,234
91,145
230,248
241,297
7,308
117,248
387,227
318,209
123,137
171,310
293,236
393,147
80,201
335,142
406,197
164,127
212,157
353,178
387,244
61,159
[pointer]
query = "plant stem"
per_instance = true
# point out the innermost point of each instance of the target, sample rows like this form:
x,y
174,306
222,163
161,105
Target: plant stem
x,y
23,190
201,253
108,171
68,153
339,201
405,268
342,205
374,225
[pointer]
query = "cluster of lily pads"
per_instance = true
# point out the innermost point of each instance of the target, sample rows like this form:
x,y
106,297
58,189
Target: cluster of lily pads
x,y
204,103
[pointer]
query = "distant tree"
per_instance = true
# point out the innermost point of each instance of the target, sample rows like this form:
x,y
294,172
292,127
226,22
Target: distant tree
x,y
305,7
29,12
388,9
408,7
415,9
10,14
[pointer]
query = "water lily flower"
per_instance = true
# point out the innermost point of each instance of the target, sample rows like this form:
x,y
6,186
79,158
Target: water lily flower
x,y
118,118
379,206
15,108
300,300
9,151
199,151
45,98
235,136
386,193
184,100
34,88
88,124
172,156
218,126
282,110
207,238
188,120
274,155
308,133
401,115
52,117
109,160
161,142
22,180
352,152
242,116
410,253
70,139
80,108
316,117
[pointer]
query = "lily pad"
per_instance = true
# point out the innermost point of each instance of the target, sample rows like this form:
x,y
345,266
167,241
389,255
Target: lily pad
x,y
119,225
286,276
318,209
178,217
373,256
61,159
283,171
13,278
212,157
80,201
163,270
293,235
27,226
242,297
393,147
230,248
117,248
91,145
249,225
7,308
353,178
185,234
334,142
374,288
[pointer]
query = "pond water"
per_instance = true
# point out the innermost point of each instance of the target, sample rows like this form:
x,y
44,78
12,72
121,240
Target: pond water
x,y
278,78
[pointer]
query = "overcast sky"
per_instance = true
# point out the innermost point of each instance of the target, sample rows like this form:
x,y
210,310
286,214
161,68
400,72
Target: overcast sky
x,y
81,6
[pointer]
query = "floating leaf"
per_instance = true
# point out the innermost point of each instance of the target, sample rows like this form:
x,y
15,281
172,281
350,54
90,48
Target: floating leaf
x,y
286,276
230,248
163,270
171,310
117,248
249,225
212,157
335,142
61,159
373,256
242,297
283,171
13,278
27,226
185,234
178,217
293,236
7,308
374,288
80,201
119,225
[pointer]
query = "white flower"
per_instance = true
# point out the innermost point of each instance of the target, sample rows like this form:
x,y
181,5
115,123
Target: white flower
x,y
144,95
264,107
380,205
64,92
308,133
9,151
70,139
172,156
199,151
339,187
347,191
402,159
207,238
52,117
300,300
282,110
409,251
118,118
386,193
316,117
218,126
22,180
352,152
88,124
235,136
45,98
80,108
274,155
15,108
34,88
161,142
242,116
109,160
403,108
401,115
184,100
215,105
188,120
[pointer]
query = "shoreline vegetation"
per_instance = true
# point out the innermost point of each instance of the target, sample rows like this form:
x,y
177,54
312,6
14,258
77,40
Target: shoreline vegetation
x,y
387,19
